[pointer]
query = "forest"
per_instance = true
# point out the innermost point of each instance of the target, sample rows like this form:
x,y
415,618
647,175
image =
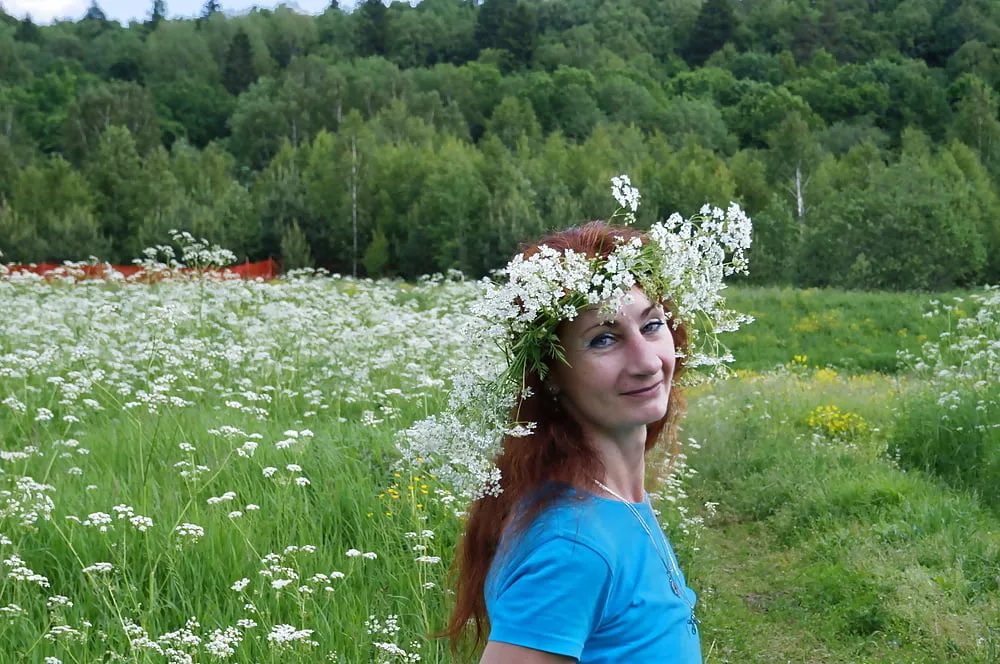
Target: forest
x,y
862,136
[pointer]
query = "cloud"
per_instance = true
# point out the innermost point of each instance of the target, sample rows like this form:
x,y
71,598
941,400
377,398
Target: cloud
x,y
43,11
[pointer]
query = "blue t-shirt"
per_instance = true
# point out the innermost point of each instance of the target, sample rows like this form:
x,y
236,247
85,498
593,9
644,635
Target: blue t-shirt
x,y
585,581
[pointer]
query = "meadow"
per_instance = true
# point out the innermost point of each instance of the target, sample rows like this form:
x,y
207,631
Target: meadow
x,y
204,471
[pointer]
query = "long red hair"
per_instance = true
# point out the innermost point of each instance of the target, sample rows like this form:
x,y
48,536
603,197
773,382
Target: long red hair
x,y
539,469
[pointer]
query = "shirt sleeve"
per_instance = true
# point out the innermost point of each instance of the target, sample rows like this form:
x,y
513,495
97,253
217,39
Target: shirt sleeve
x,y
552,598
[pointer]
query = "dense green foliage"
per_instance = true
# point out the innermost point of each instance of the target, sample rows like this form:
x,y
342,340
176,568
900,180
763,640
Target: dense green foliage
x,y
863,138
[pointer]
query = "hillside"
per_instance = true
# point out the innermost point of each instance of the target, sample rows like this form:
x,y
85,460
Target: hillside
x,y
862,137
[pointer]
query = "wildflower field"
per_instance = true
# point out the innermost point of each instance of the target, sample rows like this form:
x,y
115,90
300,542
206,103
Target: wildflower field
x,y
203,470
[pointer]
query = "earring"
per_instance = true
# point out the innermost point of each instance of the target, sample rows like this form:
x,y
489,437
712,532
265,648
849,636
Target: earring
x,y
554,393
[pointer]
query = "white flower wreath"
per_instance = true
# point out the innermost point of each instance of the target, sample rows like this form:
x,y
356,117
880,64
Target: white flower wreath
x,y
683,261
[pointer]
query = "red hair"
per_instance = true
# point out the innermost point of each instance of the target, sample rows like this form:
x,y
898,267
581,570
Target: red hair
x,y
540,469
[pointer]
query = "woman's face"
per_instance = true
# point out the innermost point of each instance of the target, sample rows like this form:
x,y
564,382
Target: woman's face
x,y
619,372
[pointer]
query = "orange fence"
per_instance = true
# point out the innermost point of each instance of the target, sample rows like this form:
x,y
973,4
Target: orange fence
x,y
266,270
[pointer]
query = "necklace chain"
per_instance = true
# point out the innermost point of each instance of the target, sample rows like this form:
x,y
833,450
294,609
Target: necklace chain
x,y
673,571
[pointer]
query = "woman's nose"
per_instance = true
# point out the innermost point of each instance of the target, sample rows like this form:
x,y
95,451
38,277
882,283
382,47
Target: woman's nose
x,y
643,357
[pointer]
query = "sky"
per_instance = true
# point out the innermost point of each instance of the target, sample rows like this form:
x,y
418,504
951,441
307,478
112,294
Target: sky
x,y
44,11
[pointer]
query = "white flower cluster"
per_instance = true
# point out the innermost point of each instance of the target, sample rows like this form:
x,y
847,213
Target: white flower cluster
x,y
194,254
27,502
285,636
697,259
64,633
222,643
388,628
626,195
968,353
182,646
188,533
19,572
675,474
387,650
390,652
683,261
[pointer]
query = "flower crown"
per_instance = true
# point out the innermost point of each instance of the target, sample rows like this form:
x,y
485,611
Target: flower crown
x,y
683,261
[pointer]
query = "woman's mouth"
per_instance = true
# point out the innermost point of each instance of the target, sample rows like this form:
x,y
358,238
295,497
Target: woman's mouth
x,y
644,392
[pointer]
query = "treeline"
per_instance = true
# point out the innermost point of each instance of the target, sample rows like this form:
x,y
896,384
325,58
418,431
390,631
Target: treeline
x,y
863,137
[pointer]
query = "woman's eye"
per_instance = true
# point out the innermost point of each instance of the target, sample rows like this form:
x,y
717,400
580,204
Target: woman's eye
x,y
601,341
654,325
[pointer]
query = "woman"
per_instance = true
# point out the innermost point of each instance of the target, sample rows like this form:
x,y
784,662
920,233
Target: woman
x,y
568,562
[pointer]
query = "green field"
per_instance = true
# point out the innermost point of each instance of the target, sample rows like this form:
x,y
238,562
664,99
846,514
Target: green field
x,y
852,331
838,506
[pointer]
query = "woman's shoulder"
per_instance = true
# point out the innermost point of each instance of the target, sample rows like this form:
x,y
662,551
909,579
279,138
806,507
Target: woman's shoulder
x,y
576,516
561,543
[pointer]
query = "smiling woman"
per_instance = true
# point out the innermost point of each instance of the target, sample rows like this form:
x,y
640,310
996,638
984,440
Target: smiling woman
x,y
568,562
562,558
617,373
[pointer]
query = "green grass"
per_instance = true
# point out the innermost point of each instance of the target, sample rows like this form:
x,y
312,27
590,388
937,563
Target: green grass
x,y
825,551
852,331
951,432
867,536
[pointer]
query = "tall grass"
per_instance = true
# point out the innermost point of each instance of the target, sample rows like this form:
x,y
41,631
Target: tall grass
x,y
264,415
823,549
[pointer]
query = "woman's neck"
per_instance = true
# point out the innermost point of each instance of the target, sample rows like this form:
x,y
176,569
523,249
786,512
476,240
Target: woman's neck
x,y
624,460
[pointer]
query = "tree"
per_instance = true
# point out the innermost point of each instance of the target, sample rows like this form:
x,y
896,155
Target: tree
x,y
808,37
512,212
117,54
794,154
193,109
573,107
833,34
115,172
59,203
27,31
698,118
210,8
240,71
99,107
513,119
312,96
177,50
510,26
377,254
373,28
917,224
917,97
761,108
21,241
714,27
975,57
519,33
490,20
257,124
976,124
288,34
95,13
452,197
280,197
295,251
159,13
